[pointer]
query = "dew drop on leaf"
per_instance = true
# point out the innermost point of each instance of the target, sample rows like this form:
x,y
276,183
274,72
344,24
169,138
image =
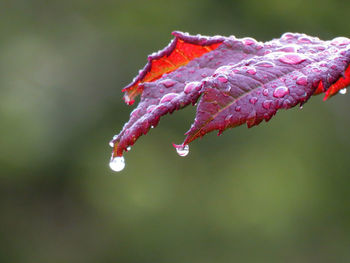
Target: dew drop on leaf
x,y
280,92
251,71
253,100
265,64
292,59
302,81
168,97
117,163
342,91
266,104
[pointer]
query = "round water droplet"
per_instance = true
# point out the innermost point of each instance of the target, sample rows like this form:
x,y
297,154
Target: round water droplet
x,y
280,92
191,86
222,79
340,41
265,64
249,41
223,70
302,81
265,92
288,36
253,100
251,71
168,83
292,58
168,97
117,163
128,148
289,49
152,126
182,150
267,104
343,91
111,143
305,40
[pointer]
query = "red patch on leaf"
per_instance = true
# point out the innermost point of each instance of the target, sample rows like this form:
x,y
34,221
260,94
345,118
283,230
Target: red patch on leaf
x,y
180,51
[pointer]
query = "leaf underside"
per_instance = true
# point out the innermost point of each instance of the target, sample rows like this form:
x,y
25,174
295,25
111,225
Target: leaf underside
x,y
234,81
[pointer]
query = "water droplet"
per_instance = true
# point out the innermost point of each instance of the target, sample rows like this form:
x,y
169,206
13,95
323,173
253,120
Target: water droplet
x,y
302,81
265,64
238,108
301,107
288,36
127,98
251,71
253,100
343,91
111,143
288,49
222,79
292,59
182,150
223,70
249,41
168,97
128,148
265,92
152,126
267,104
191,86
117,163
280,92
168,83
305,40
340,41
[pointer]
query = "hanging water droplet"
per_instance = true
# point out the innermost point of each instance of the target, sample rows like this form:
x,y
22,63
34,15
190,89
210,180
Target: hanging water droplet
x,y
111,143
128,148
117,163
343,91
182,150
301,107
152,126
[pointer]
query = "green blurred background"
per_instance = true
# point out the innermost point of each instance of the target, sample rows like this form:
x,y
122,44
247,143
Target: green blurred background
x,y
275,193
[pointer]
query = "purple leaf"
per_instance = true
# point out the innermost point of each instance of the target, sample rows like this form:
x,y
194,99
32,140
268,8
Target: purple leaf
x,y
236,81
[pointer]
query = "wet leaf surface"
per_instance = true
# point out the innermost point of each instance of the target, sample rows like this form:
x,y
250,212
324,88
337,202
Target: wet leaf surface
x,y
234,81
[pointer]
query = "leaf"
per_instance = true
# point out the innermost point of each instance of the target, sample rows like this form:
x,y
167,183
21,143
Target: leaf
x,y
236,81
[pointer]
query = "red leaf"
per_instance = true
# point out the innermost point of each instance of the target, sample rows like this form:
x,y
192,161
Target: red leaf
x,y
239,81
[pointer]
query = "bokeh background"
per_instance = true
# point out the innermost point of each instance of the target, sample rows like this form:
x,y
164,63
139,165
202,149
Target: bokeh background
x,y
278,192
